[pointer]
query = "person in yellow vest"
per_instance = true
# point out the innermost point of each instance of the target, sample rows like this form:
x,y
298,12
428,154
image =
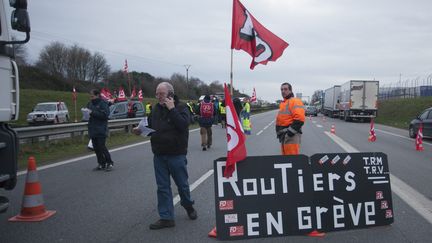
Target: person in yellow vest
x,y
289,121
222,113
247,128
148,108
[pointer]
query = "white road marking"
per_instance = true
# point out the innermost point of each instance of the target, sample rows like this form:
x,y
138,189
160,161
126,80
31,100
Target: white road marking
x,y
412,197
318,125
397,135
258,133
195,185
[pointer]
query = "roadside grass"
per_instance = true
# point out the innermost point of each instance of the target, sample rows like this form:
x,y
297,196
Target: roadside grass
x,y
399,112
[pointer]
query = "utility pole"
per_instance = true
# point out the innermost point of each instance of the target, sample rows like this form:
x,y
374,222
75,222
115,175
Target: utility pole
x,y
187,66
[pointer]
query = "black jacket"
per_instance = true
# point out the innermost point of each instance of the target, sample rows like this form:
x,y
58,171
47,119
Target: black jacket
x,y
98,122
172,129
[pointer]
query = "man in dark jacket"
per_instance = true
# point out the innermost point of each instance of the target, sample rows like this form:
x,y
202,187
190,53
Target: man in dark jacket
x,y
170,120
98,129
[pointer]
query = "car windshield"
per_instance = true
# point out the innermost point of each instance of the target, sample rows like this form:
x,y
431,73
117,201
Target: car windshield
x,y
45,107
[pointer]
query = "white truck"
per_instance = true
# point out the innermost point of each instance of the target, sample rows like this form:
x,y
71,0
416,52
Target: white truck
x,y
359,100
9,92
331,100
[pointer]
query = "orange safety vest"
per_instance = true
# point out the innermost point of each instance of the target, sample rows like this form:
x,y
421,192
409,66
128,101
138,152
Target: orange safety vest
x,y
290,110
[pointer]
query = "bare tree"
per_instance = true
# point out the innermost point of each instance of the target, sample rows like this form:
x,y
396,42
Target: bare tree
x,y
77,63
98,68
52,59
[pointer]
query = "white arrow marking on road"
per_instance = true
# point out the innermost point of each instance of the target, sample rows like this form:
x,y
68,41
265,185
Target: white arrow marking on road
x,y
412,197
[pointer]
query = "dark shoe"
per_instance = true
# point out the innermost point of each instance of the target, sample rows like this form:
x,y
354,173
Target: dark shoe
x,y
162,223
208,146
109,167
191,212
204,149
100,167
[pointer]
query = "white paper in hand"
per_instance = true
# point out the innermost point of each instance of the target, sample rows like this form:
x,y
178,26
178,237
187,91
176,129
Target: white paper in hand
x,y
142,126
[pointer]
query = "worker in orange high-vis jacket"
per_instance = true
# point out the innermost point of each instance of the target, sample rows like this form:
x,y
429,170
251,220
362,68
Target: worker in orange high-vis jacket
x,y
289,121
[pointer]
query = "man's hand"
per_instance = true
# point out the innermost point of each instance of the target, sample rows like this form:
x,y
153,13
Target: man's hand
x,y
169,102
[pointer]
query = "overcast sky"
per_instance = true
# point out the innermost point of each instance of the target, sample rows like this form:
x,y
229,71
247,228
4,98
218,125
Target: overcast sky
x,y
330,41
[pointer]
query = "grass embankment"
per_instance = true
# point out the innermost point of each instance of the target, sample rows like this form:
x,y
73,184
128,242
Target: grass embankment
x,y
399,112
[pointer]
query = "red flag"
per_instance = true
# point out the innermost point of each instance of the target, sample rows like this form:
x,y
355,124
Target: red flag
x,y
125,68
235,136
74,94
105,94
121,95
419,138
140,96
252,37
253,98
133,95
372,135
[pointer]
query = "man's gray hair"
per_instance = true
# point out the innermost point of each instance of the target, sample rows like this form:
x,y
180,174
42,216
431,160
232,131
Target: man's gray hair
x,y
168,86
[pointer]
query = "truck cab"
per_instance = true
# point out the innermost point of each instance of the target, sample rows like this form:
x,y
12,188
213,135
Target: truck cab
x,y
9,92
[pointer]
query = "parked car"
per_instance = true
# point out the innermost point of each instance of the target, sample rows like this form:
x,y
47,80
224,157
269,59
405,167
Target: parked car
x,y
426,119
125,109
311,111
48,112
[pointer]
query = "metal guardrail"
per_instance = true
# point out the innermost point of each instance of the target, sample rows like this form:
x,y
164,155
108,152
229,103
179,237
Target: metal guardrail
x,y
70,128
80,128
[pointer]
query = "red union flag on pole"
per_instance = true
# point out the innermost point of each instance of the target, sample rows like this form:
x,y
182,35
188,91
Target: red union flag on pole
x,y
140,95
253,98
252,37
74,94
235,136
133,95
125,68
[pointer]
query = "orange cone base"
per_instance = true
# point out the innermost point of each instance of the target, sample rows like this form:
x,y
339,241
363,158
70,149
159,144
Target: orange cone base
x,y
34,218
212,233
316,233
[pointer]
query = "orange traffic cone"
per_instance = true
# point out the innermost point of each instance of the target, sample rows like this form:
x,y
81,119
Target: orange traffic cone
x,y
332,129
419,139
212,233
316,233
33,208
372,135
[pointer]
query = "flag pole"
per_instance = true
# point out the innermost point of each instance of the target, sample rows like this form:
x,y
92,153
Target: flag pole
x,y
76,120
231,74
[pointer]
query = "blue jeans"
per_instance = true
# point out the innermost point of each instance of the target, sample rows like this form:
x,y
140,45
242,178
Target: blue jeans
x,y
175,166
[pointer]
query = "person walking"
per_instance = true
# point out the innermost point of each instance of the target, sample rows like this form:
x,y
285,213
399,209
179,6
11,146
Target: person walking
x,y
289,121
206,112
170,120
98,129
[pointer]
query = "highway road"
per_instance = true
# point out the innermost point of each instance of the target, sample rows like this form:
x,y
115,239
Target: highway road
x,y
118,206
